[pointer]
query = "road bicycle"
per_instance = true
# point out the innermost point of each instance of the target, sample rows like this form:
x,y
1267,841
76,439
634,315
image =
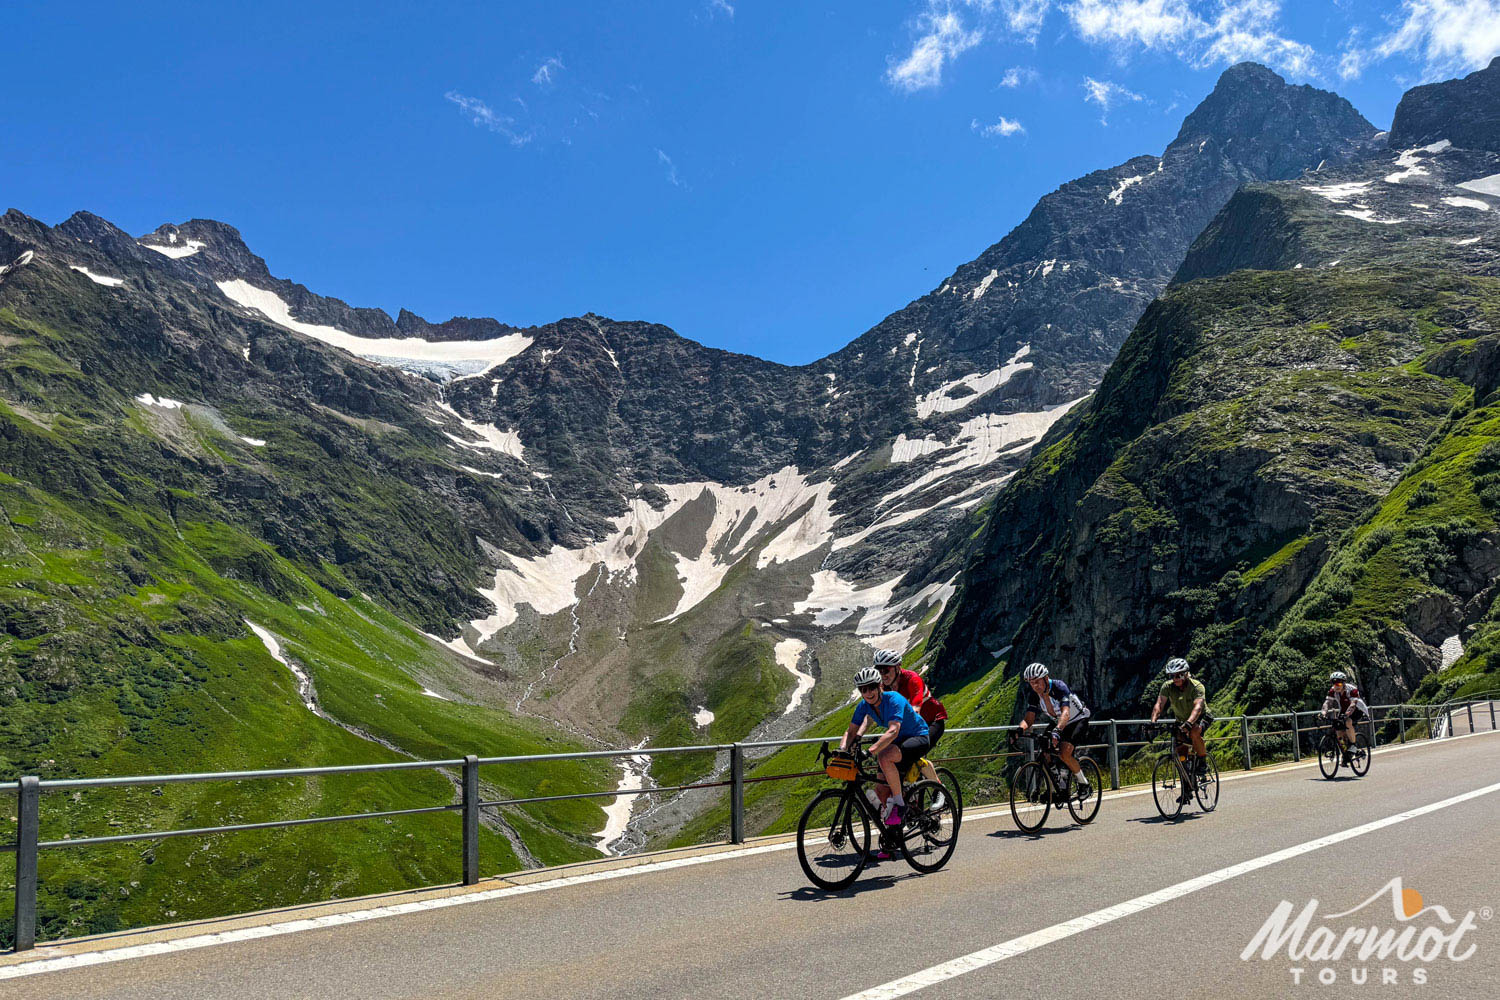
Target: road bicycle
x,y
1175,782
1332,749
834,835
1045,781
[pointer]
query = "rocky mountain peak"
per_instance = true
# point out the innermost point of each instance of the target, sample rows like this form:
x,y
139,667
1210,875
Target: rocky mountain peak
x,y
1466,112
1265,125
215,247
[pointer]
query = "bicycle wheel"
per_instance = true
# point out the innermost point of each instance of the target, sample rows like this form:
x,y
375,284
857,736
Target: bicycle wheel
x,y
833,840
1085,805
950,782
1360,755
1030,796
1207,791
1166,788
929,831
1329,755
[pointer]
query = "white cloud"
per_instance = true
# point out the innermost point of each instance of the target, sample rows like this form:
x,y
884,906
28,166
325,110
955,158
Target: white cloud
x,y
666,161
546,71
1017,75
1106,94
942,37
1025,17
1004,127
1199,32
484,116
721,7
1152,24
1451,36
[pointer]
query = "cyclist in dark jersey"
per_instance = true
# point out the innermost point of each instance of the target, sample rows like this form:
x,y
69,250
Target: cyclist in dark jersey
x,y
909,685
1050,697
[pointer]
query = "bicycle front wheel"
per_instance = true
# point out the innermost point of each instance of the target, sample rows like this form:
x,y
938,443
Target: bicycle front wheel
x,y
1328,755
1030,796
929,829
1085,805
1207,790
1359,757
1166,788
950,782
833,840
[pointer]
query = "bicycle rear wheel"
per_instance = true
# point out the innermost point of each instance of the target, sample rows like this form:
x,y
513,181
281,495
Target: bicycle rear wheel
x,y
1207,790
929,829
1166,788
950,782
1085,805
1360,755
833,840
1030,796
1329,755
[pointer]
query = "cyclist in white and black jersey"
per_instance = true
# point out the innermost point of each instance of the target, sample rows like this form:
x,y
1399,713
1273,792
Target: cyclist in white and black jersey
x,y
1050,697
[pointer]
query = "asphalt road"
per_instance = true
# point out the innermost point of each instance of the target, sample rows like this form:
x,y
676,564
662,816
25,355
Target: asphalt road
x,y
749,926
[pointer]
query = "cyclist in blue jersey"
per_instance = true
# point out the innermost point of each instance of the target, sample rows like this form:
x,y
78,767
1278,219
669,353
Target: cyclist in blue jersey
x,y
903,743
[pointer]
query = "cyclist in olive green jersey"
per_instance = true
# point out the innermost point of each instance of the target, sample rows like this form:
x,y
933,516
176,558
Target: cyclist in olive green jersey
x,y
1189,703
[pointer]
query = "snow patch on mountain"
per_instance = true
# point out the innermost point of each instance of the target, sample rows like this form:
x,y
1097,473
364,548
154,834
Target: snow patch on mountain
x,y
1118,194
938,400
1483,185
98,279
161,402
458,356
174,251
1340,192
984,285
491,438
1467,203
788,653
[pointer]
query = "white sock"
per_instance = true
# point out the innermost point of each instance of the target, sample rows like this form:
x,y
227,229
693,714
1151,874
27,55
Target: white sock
x,y
1078,777
898,800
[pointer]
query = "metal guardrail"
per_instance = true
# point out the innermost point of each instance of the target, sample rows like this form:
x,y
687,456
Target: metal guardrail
x,y
29,788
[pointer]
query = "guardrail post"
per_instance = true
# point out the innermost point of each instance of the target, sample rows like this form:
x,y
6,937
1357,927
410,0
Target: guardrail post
x,y
471,819
29,802
736,794
1245,738
1492,714
1296,739
1374,736
1431,729
1470,709
1114,755
1401,722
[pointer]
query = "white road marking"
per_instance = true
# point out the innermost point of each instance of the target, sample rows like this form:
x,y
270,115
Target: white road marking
x,y
1057,932
59,963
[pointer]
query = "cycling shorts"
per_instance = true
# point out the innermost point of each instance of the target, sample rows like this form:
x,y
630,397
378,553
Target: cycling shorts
x,y
935,731
1075,732
913,749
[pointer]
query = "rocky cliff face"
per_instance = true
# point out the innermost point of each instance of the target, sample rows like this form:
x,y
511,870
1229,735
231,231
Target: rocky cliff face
x,y
1464,112
1286,383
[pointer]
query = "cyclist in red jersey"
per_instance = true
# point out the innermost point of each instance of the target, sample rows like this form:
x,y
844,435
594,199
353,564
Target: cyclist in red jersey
x,y
909,685
1343,699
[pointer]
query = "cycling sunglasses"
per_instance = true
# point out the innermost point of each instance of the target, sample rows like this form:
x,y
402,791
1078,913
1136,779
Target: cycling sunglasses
x,y
867,687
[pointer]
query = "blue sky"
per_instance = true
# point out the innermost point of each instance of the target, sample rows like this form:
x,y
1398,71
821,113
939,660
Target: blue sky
x,y
772,178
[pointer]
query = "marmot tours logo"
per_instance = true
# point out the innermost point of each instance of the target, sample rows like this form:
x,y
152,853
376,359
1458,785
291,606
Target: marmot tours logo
x,y
1359,946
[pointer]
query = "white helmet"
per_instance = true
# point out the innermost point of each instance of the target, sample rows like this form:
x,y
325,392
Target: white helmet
x,y
1338,675
887,658
1033,671
866,675
1177,665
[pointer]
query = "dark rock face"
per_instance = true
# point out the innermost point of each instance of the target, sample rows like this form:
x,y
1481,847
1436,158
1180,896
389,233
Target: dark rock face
x,y
1466,112
1282,386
